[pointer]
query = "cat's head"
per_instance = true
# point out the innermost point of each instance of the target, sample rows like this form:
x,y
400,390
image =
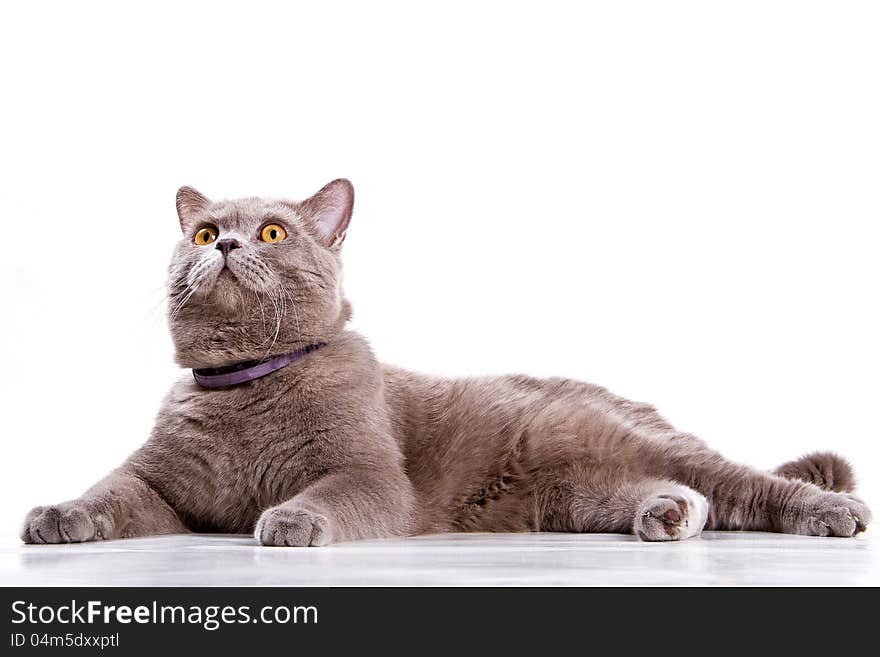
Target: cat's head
x,y
255,277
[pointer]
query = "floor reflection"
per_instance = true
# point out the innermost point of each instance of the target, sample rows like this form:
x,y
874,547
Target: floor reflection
x,y
726,558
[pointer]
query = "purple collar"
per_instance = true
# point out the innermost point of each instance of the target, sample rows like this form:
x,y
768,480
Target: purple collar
x,y
232,375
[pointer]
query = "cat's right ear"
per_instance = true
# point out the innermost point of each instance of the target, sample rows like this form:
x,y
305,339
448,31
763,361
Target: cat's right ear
x,y
190,203
330,211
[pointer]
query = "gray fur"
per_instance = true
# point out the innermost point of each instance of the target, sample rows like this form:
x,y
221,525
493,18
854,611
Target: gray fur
x,y
338,447
826,470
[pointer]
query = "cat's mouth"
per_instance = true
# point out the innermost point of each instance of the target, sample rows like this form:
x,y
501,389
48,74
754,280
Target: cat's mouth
x,y
228,279
236,276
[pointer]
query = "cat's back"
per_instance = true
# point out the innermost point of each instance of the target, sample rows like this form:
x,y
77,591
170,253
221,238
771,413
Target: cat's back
x,y
461,428
420,404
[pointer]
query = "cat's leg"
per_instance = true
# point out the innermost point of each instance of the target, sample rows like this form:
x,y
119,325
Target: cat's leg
x,y
583,500
342,506
122,505
744,498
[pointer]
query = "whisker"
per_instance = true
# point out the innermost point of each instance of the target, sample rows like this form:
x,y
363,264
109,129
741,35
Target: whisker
x,y
179,307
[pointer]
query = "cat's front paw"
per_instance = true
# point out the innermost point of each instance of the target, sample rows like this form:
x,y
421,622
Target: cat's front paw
x,y
830,514
70,522
283,526
671,516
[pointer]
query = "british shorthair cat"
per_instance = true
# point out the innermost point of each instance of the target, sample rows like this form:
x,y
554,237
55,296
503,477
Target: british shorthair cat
x,y
288,426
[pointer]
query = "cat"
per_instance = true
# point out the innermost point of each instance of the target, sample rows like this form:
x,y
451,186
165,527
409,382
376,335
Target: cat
x,y
289,427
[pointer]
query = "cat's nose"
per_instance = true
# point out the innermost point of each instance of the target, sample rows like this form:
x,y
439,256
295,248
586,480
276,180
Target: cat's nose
x,y
227,245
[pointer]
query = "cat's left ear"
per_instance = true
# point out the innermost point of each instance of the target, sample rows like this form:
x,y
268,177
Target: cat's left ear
x,y
330,211
190,204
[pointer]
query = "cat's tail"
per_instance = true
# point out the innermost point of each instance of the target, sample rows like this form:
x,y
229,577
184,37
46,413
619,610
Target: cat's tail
x,y
825,469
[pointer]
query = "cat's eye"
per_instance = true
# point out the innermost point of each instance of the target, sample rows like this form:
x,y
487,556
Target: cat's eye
x,y
205,235
272,233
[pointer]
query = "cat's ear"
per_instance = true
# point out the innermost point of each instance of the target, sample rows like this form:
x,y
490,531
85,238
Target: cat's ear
x,y
330,211
190,203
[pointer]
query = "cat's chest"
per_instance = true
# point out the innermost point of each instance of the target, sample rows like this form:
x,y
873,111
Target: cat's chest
x,y
226,457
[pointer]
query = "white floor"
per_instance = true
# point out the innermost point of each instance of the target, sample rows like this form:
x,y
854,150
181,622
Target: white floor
x,y
717,558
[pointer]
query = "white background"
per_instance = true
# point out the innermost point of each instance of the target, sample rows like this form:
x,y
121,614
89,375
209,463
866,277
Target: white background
x,y
676,200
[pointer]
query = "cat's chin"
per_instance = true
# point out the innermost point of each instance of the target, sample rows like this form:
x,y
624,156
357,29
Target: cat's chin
x,y
226,277
228,292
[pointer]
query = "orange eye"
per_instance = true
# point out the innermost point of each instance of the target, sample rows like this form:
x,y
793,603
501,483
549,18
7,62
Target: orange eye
x,y
273,233
205,235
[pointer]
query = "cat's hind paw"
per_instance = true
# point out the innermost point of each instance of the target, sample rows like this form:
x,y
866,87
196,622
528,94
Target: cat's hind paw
x,y
832,514
671,516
